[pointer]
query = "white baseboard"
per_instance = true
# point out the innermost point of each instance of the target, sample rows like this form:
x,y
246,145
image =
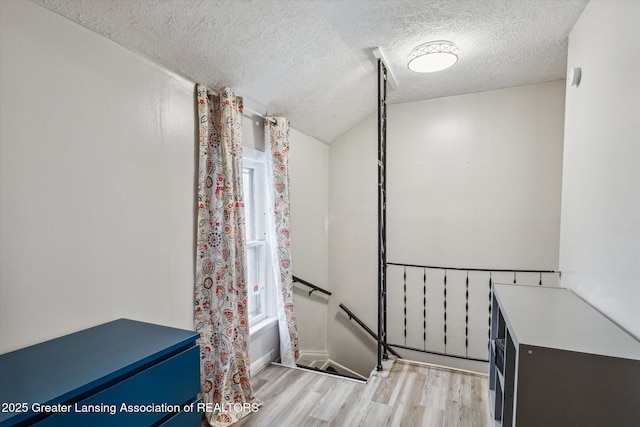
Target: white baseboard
x,y
261,363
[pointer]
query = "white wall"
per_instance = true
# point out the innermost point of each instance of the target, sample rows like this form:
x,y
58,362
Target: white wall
x,y
96,176
253,132
472,181
353,245
309,168
600,235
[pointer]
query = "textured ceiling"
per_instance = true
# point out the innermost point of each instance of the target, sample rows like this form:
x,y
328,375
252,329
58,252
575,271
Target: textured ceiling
x,y
311,60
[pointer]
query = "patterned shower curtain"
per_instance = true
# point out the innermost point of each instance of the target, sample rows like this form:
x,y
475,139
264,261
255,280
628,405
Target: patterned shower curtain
x,y
220,288
277,153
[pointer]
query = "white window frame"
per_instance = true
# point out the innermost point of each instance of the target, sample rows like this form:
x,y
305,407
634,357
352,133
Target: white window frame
x,y
254,160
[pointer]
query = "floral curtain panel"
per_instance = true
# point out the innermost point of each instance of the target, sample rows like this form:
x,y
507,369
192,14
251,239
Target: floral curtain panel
x,y
277,150
220,288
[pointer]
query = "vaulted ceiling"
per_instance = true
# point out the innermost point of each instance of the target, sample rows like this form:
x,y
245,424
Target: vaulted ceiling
x,y
311,61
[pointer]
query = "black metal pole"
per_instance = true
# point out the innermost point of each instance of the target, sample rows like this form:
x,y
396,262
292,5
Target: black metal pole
x,y
379,364
385,355
382,315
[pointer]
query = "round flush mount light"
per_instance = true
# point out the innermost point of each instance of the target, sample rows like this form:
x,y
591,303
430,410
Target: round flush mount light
x,y
433,56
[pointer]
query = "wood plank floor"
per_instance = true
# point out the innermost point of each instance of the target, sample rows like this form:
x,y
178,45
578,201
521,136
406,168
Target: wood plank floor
x,y
412,395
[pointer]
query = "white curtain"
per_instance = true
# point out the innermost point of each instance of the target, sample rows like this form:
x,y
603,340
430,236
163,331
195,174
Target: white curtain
x,y
277,153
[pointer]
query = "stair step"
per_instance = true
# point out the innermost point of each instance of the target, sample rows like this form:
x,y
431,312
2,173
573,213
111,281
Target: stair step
x,y
330,371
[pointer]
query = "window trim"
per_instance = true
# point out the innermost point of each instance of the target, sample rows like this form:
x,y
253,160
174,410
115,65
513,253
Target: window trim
x,y
256,160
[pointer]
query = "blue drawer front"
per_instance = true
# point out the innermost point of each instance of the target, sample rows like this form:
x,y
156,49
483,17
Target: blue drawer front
x,y
185,419
174,381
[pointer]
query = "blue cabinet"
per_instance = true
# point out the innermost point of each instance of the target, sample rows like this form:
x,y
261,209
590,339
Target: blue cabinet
x,y
120,373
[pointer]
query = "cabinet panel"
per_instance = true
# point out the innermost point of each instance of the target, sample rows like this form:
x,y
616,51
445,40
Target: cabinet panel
x,y
563,388
183,419
165,385
509,390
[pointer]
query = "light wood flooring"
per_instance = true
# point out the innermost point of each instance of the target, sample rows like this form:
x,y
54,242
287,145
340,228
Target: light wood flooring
x,y
412,395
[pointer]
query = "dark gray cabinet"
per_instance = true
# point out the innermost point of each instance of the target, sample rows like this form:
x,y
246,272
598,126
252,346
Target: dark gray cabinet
x,y
556,361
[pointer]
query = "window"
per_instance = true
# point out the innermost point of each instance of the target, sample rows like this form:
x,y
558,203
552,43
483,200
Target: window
x,y
254,182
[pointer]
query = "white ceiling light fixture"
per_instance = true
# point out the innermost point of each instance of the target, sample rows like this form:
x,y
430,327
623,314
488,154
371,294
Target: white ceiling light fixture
x,y
433,56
